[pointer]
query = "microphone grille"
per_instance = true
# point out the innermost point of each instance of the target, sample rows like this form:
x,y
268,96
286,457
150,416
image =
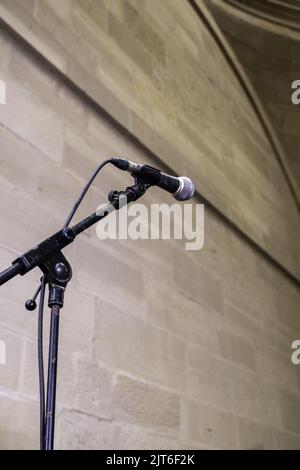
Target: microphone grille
x,y
186,189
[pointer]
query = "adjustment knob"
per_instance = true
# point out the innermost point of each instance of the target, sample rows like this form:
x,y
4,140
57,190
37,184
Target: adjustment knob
x,y
30,305
61,269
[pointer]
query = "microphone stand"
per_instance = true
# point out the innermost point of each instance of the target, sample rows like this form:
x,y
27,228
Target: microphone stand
x,y
57,273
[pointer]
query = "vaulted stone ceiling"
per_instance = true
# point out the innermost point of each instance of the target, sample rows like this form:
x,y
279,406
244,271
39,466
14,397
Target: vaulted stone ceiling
x,y
284,12
265,35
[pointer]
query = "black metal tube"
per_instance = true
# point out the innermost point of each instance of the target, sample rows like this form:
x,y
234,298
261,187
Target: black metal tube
x,y
41,362
52,376
93,218
10,272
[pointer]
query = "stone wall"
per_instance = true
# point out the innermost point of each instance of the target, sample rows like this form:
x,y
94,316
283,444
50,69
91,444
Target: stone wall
x,y
159,347
268,47
124,56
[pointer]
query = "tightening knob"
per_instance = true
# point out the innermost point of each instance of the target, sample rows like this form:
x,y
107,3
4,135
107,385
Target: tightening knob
x,y
30,305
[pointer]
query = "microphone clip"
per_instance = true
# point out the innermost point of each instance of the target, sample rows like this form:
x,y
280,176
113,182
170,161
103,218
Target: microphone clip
x,y
121,198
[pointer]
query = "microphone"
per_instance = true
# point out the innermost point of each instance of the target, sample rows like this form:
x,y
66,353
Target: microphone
x,y
181,187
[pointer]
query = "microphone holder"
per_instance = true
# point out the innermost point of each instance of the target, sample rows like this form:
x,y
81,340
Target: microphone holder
x,y
58,272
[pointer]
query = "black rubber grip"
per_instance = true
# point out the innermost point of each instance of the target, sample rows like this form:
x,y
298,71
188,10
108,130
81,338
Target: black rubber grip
x,y
169,183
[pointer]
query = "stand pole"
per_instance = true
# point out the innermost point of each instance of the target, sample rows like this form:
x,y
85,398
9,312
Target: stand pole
x,y
52,375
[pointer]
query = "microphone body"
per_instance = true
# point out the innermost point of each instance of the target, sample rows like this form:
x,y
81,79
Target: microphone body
x,y
181,187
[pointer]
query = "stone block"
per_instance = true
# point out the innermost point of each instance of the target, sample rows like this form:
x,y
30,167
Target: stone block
x,y
209,378
199,284
254,436
130,344
77,431
141,404
208,426
289,403
92,388
237,349
130,45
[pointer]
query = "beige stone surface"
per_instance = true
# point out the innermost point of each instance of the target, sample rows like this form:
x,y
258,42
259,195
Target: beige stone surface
x,y
123,55
268,48
93,388
208,425
148,406
160,347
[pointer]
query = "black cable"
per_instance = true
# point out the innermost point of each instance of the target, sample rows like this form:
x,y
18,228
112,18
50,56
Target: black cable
x,y
41,362
85,190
